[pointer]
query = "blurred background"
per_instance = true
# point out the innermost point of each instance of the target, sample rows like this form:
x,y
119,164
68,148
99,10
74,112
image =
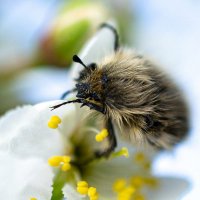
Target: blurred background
x,y
39,37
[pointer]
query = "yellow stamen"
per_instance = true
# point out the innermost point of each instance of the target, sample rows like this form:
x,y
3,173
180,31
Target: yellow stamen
x,y
137,181
122,152
130,190
147,165
119,185
55,161
142,160
152,182
82,187
52,125
99,138
102,135
66,167
66,159
140,157
126,193
82,184
82,190
139,197
63,161
33,198
92,193
95,197
54,121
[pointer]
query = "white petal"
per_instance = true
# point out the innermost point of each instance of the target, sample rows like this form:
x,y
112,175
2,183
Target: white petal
x,y
169,188
23,179
24,131
97,48
103,175
71,194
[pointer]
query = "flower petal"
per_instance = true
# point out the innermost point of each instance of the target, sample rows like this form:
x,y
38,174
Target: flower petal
x,y
169,188
97,48
102,175
24,130
24,178
71,194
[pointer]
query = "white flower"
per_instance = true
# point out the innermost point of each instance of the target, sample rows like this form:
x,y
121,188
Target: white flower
x,y
24,178
27,143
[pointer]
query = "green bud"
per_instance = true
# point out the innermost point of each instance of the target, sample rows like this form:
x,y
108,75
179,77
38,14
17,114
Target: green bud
x,y
75,23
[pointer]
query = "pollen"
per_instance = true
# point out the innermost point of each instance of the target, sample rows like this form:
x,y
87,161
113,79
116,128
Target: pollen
x,y
102,135
126,193
82,184
151,181
122,152
142,160
54,122
63,161
56,119
140,157
131,188
147,165
52,125
84,189
55,161
66,167
119,185
137,181
123,189
139,197
92,193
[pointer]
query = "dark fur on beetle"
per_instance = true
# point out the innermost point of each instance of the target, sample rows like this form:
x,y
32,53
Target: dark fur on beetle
x,y
135,95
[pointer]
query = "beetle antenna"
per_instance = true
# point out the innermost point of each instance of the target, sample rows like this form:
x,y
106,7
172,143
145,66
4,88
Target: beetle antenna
x,y
78,60
66,102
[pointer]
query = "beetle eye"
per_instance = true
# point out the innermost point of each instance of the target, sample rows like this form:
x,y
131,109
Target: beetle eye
x,y
82,89
95,96
92,66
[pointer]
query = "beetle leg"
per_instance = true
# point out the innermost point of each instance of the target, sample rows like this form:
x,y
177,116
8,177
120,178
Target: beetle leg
x,y
112,141
116,42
